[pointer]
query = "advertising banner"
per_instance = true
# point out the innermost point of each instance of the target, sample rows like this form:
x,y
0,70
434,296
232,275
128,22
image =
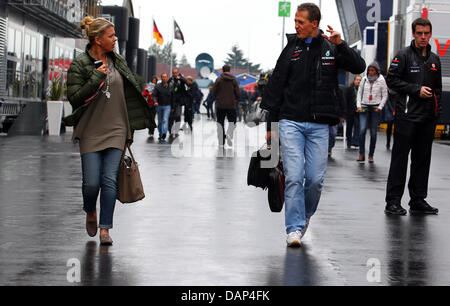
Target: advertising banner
x,y
356,15
371,11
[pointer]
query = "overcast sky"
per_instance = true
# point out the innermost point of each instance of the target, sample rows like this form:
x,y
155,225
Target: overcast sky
x,y
214,26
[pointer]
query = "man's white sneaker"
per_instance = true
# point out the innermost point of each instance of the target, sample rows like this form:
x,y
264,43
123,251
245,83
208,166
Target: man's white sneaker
x,y
294,239
306,227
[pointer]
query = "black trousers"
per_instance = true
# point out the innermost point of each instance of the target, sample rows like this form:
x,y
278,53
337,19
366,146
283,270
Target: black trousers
x,y
188,114
416,138
153,115
175,117
230,114
210,110
352,133
390,125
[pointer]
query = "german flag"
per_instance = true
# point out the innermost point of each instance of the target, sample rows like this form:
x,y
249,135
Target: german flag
x,y
157,35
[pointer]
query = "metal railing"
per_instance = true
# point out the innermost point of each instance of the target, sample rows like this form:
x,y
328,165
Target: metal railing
x,y
3,43
9,109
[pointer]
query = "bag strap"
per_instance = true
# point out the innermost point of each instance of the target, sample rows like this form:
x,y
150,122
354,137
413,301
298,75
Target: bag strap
x,y
131,153
127,145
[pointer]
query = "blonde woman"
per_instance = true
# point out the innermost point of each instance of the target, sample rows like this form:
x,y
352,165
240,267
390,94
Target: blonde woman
x,y
108,107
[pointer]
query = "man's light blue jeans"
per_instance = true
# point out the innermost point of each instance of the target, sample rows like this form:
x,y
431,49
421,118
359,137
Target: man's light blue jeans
x,y
304,148
163,119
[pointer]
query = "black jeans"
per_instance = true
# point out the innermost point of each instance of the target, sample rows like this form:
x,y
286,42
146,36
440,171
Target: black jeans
x,y
231,116
352,133
153,115
196,107
175,117
417,138
188,114
210,110
390,125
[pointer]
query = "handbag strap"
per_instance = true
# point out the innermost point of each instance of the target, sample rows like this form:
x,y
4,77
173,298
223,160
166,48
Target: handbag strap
x,y
127,145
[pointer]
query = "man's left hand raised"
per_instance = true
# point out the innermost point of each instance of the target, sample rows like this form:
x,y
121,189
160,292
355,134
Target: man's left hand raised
x,y
334,38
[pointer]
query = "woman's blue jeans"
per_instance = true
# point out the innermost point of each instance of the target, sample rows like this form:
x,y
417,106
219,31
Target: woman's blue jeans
x,y
304,148
368,119
100,171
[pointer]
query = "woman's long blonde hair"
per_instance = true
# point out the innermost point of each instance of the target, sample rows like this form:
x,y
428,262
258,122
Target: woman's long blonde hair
x,y
354,79
94,27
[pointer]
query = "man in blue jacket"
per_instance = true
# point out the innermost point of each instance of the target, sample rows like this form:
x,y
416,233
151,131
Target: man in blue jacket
x,y
302,95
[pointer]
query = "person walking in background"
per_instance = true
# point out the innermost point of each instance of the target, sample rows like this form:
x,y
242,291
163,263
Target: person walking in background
x,y
209,104
259,89
178,85
242,105
372,96
305,110
191,93
162,95
198,97
148,94
352,116
333,129
332,133
108,107
415,75
226,91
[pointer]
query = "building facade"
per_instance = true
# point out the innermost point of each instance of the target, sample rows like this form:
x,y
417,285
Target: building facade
x,y
38,41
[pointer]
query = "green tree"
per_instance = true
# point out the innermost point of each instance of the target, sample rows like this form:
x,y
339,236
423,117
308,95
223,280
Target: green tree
x,y
184,62
236,58
237,61
164,53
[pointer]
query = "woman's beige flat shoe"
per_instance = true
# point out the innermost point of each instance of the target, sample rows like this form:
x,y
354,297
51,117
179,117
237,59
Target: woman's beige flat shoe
x,y
106,240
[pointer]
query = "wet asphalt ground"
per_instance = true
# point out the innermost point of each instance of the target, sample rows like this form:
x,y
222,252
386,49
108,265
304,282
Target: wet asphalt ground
x,y
200,224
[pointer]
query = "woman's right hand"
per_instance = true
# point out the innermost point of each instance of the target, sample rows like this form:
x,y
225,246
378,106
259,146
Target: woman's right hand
x,y
102,69
359,109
